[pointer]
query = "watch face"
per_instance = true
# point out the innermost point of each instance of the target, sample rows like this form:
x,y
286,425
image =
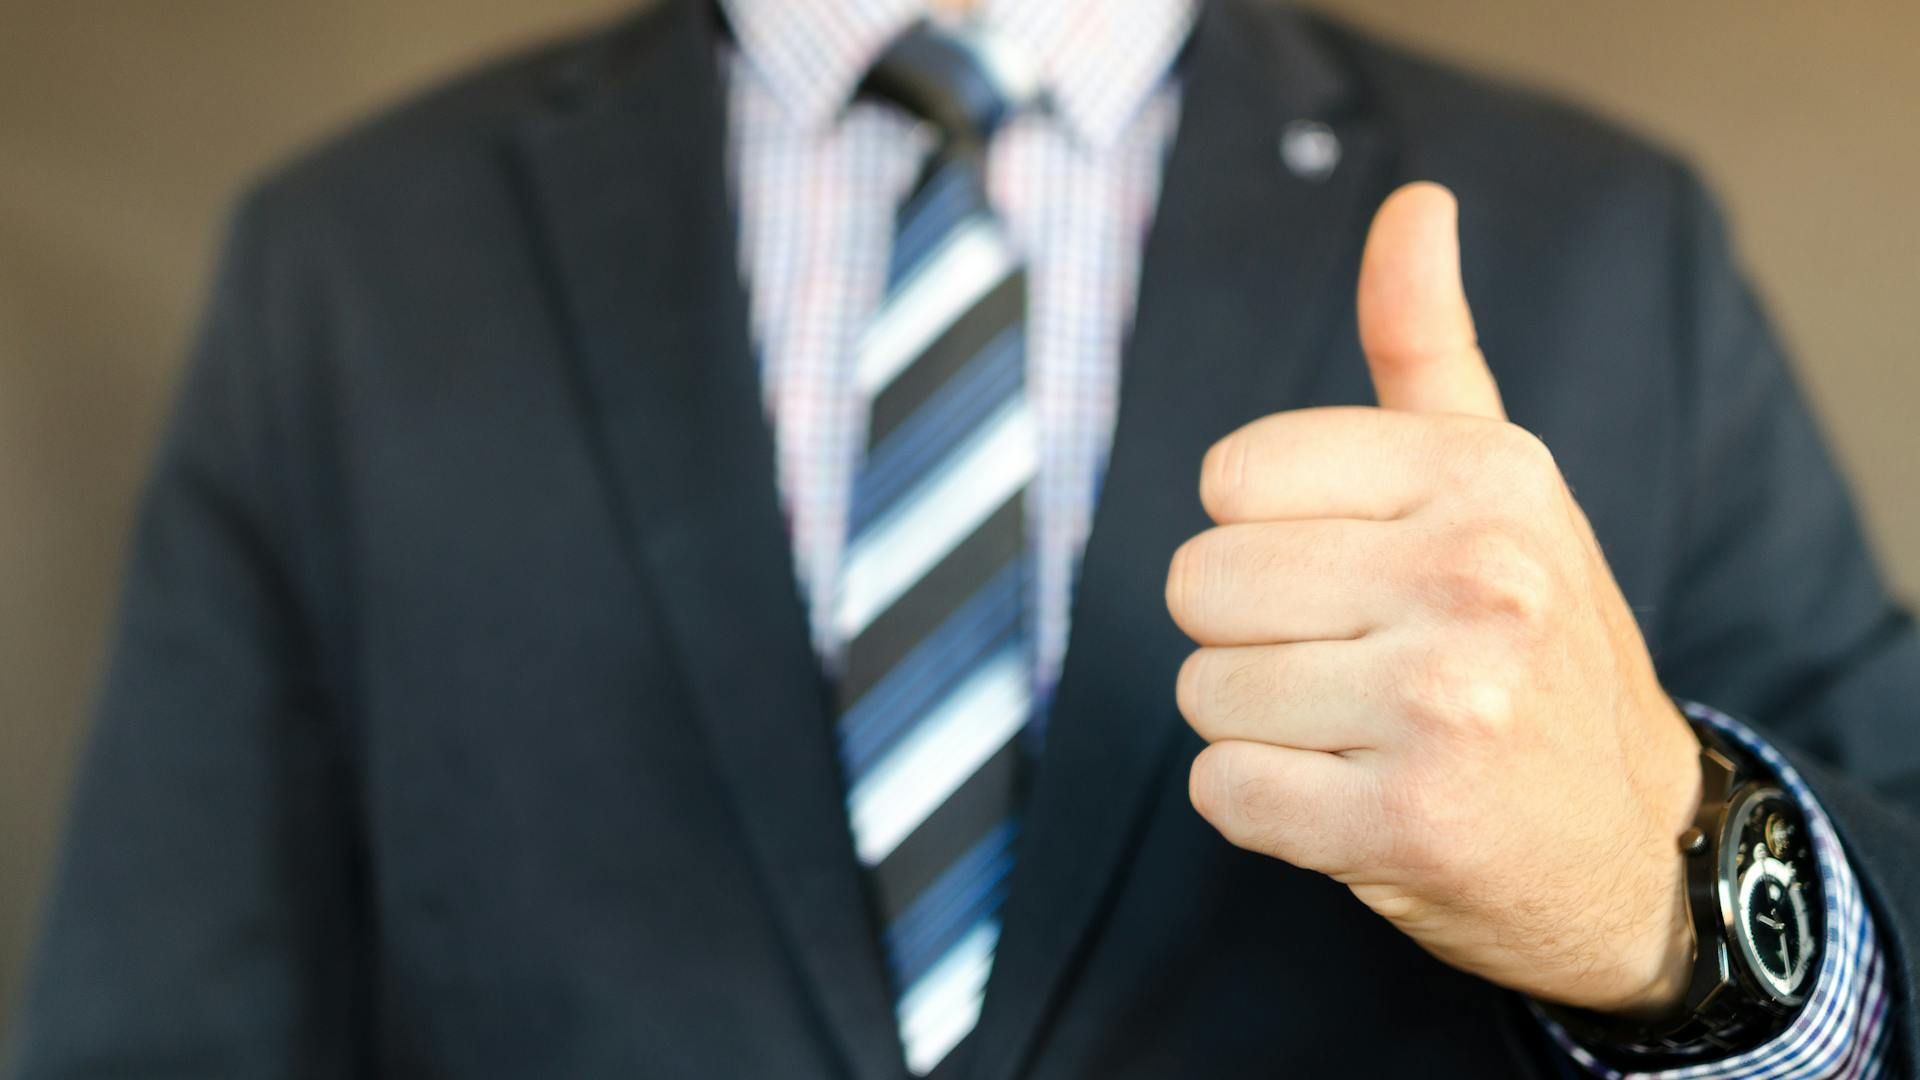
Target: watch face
x,y
1773,875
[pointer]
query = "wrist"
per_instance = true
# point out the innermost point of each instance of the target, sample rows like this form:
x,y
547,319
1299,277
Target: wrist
x,y
1664,994
1753,887
1665,958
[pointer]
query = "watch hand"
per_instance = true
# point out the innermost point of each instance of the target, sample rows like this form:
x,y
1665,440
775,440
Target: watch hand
x,y
1775,924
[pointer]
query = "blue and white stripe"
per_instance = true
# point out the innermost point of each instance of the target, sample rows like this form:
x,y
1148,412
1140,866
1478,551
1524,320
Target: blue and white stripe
x,y
932,595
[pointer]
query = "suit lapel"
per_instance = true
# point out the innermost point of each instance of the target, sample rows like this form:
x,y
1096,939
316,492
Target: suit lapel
x,y
626,177
1247,282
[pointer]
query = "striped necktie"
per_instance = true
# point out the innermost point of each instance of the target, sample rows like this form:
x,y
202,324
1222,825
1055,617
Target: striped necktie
x,y
933,598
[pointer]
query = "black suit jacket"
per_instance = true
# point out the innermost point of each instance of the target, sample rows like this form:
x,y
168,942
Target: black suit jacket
x,y
463,722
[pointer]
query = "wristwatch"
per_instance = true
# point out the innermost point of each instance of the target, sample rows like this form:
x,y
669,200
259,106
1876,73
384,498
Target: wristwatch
x,y
1754,901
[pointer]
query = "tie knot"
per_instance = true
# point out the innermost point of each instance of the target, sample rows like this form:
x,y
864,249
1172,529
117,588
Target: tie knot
x,y
965,83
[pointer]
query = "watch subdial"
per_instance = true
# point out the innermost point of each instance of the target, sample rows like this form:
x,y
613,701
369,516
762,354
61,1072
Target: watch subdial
x,y
1775,926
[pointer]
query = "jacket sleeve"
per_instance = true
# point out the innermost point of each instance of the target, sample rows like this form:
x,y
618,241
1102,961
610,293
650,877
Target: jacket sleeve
x,y
1775,611
203,920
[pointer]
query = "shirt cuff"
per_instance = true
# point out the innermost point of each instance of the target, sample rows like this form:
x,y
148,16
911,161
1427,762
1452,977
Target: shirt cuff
x,y
1841,1031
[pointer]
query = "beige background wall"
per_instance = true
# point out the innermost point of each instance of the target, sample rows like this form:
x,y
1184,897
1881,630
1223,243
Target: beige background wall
x,y
126,125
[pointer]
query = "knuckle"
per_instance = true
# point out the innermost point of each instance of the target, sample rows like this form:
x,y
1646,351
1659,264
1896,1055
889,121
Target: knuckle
x,y
1183,578
1190,690
1207,781
1233,691
1503,462
1529,465
1245,682
1195,580
1458,700
1240,802
1422,825
1527,449
1255,798
1223,478
1392,904
1253,828
1489,572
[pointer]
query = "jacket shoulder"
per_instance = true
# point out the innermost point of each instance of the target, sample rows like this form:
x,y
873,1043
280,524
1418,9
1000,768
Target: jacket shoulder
x,y
1491,136
426,149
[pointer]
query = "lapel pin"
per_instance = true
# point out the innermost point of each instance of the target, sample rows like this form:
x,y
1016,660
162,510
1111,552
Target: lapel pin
x,y
1309,149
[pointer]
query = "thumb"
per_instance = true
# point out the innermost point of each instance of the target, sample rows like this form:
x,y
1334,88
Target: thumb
x,y
1415,326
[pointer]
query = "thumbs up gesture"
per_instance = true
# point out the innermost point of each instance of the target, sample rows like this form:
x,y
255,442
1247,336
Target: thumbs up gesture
x,y
1416,673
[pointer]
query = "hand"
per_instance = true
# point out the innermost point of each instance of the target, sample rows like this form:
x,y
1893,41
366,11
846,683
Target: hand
x,y
1417,674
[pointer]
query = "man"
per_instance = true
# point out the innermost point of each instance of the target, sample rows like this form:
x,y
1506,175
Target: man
x,y
466,719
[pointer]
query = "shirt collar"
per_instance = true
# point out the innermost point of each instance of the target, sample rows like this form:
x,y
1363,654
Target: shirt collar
x,y
1098,61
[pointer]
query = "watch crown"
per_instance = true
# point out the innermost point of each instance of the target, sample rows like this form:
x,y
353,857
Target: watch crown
x,y
1693,841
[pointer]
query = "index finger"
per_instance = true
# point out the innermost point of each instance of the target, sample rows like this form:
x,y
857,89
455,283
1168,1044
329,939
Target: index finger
x,y
1340,461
